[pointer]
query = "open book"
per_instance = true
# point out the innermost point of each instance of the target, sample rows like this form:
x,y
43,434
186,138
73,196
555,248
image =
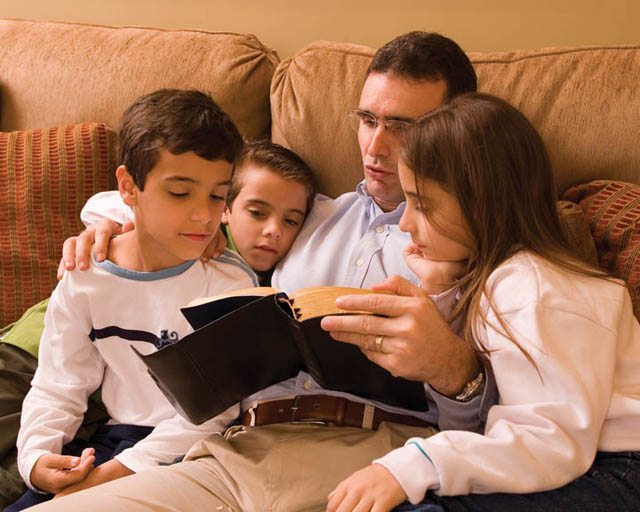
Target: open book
x,y
249,339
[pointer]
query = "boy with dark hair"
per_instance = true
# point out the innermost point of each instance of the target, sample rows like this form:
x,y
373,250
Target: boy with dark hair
x,y
272,191
176,149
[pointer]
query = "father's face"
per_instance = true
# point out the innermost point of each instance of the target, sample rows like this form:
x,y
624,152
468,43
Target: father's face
x,y
389,97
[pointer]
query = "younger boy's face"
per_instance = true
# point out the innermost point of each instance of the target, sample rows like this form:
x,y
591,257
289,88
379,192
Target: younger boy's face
x,y
265,216
179,211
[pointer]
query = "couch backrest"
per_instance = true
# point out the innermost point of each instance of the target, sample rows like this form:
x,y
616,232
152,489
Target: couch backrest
x,y
66,73
584,101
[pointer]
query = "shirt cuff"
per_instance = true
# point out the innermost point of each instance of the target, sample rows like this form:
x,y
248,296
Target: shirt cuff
x,y
26,467
413,469
470,415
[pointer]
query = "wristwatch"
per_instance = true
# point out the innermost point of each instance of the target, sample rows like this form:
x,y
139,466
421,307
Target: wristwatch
x,y
472,388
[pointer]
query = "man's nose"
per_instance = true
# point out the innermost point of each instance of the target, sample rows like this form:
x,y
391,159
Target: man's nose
x,y
379,142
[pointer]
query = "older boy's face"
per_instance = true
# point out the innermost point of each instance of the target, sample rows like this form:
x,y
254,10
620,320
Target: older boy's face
x,y
180,208
389,97
265,216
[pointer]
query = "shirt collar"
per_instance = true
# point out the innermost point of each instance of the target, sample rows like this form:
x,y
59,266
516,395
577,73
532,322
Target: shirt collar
x,y
392,217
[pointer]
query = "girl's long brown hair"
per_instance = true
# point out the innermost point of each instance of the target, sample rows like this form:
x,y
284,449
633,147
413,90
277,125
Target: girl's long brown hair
x,y
488,155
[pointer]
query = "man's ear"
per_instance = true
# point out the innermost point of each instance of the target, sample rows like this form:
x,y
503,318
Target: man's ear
x,y
126,186
226,214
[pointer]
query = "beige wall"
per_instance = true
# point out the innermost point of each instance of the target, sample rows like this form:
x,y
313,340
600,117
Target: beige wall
x,y
287,25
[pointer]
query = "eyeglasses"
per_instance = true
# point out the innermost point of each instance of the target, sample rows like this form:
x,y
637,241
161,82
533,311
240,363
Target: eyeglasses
x,y
360,119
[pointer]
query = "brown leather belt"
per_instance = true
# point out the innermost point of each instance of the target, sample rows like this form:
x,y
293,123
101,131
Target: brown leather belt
x,y
324,409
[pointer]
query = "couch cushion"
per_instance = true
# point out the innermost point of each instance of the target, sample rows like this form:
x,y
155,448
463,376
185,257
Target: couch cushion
x,y
311,94
45,178
584,101
67,73
612,209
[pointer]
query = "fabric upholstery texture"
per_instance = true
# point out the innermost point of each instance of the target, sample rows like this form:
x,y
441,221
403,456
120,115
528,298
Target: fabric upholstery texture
x,y
45,178
67,73
584,102
612,209
576,229
311,95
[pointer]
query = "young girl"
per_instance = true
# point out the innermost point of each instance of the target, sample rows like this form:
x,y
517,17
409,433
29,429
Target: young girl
x,y
559,335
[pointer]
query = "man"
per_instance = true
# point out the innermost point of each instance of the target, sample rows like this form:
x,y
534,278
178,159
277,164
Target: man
x,y
283,459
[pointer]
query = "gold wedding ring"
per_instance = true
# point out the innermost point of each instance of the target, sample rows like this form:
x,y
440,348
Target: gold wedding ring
x,y
377,346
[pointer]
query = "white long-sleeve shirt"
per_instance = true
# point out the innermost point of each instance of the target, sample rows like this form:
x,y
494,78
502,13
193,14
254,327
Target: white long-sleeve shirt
x,y
584,340
92,320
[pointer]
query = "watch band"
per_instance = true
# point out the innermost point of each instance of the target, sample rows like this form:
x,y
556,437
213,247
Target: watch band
x,y
472,388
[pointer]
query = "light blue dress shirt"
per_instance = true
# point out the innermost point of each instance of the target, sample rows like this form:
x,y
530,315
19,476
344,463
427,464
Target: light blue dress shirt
x,y
350,241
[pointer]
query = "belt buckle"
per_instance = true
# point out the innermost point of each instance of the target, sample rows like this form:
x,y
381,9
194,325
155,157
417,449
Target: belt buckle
x,y
294,421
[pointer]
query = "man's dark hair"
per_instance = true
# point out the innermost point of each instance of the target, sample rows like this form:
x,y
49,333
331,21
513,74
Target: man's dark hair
x,y
427,56
279,160
180,121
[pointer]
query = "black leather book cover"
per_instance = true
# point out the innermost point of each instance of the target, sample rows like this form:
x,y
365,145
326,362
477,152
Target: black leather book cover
x,y
260,344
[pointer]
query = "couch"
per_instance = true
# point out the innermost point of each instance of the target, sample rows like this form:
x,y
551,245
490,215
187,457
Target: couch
x,y
63,87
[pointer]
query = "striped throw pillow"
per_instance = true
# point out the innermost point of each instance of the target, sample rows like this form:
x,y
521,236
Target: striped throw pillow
x,y
46,176
612,209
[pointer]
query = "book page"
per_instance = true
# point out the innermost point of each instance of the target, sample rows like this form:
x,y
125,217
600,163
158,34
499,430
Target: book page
x,y
321,300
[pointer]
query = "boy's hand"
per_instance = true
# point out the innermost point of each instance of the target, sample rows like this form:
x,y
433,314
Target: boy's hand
x,y
76,249
373,488
435,276
103,473
52,472
215,248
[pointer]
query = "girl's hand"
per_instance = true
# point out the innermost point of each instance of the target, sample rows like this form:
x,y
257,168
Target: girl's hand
x,y
416,342
53,472
435,276
373,488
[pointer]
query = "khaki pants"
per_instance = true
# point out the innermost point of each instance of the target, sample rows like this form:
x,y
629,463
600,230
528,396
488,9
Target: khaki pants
x,y
284,467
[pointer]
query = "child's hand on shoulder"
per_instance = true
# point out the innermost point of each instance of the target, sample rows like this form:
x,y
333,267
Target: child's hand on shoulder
x,y
435,276
52,472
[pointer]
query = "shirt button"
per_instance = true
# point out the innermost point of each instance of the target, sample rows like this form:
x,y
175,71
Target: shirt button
x,y
307,385
360,262
379,229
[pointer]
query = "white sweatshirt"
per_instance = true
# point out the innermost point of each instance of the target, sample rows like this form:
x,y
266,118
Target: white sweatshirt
x,y
547,427
92,319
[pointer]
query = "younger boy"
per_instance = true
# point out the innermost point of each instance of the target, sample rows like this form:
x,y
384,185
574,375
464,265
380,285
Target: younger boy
x,y
271,193
176,149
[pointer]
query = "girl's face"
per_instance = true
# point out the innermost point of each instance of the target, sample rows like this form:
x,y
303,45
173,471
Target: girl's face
x,y
441,232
